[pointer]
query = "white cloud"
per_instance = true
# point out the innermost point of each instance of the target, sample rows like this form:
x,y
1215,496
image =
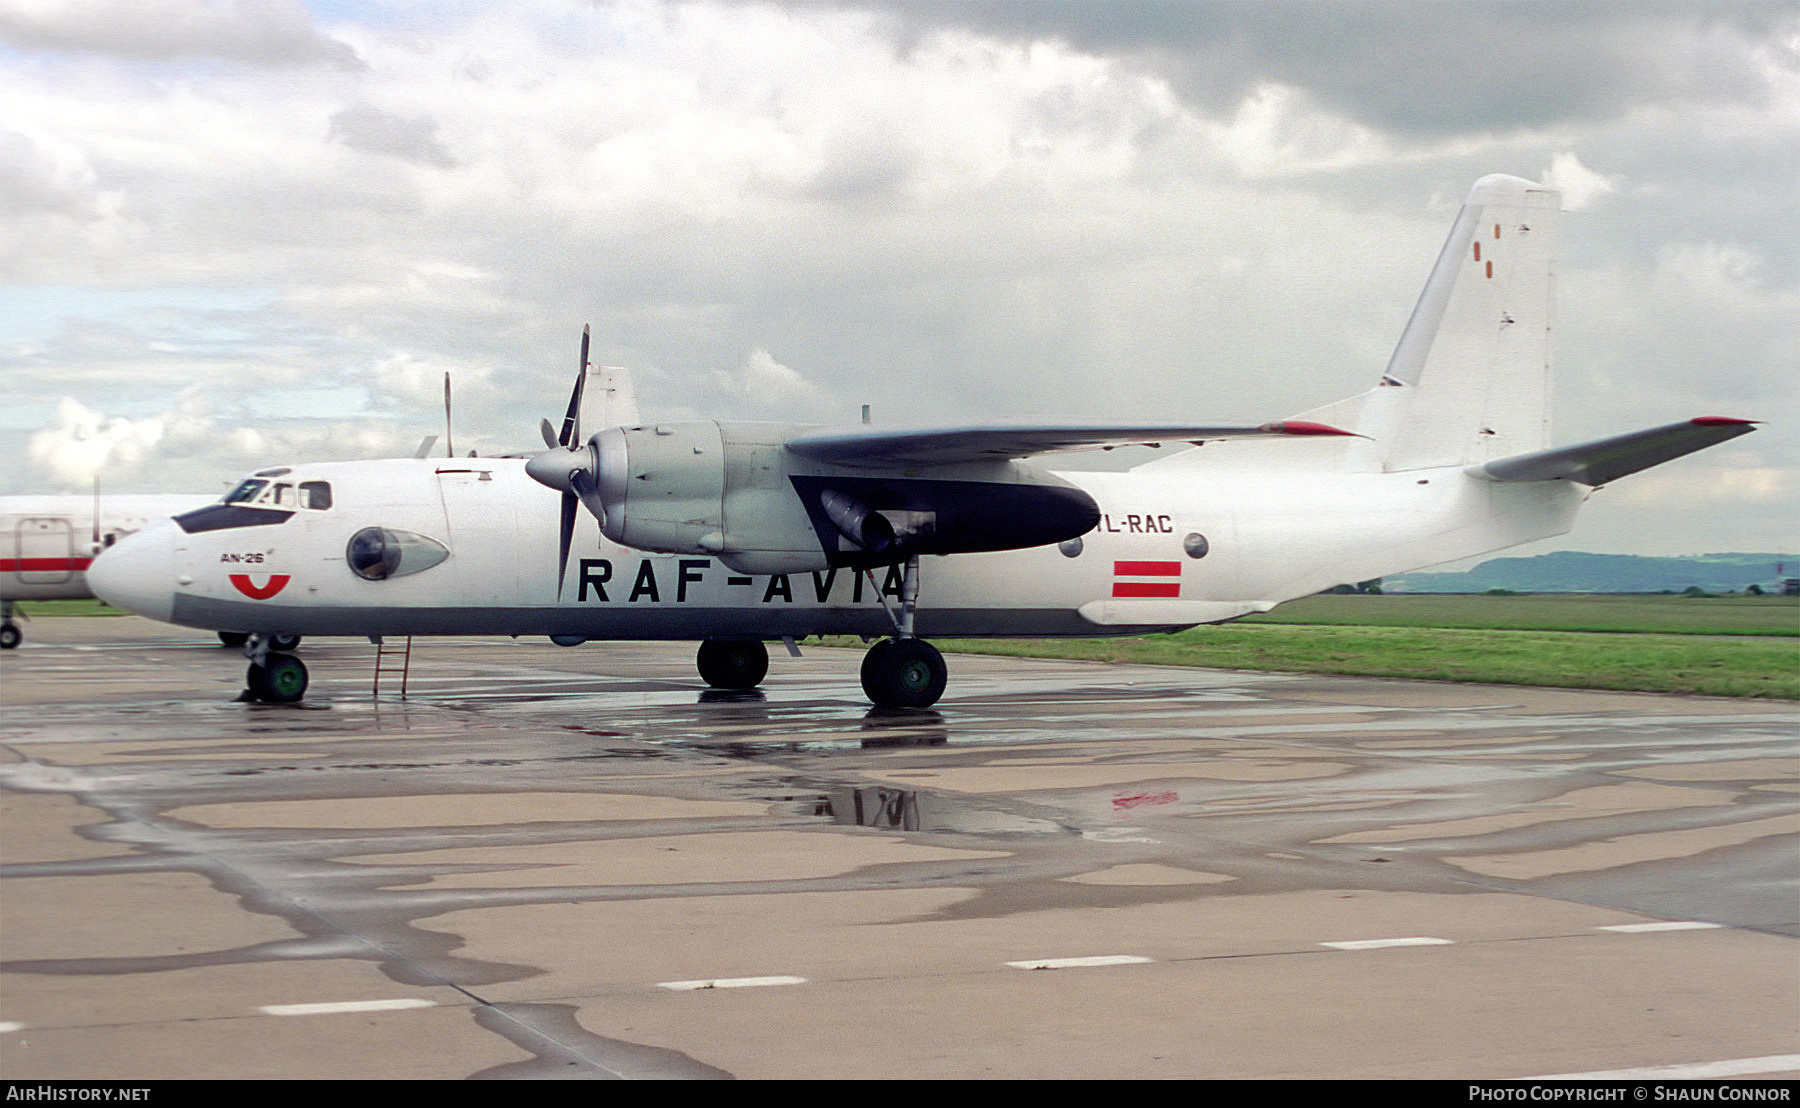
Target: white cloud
x,y
765,386
270,32
267,213
1579,185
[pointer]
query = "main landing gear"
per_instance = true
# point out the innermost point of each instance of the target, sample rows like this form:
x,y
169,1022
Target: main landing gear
x,y
273,677
733,664
904,671
10,635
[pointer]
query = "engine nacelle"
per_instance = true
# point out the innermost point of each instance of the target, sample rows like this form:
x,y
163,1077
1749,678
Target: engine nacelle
x,y
663,487
735,492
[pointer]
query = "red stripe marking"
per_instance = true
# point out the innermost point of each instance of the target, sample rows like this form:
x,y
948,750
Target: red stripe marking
x,y
1303,427
1146,569
1719,421
277,582
1147,588
43,565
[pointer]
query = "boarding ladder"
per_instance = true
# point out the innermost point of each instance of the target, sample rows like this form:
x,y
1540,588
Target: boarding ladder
x,y
394,659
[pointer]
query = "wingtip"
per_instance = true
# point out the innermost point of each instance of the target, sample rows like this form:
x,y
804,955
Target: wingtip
x,y
1722,421
1306,427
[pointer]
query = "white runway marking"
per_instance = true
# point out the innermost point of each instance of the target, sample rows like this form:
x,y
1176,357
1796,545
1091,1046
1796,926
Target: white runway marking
x,y
9,1025
1077,963
1672,925
1692,1071
731,983
1377,944
346,1006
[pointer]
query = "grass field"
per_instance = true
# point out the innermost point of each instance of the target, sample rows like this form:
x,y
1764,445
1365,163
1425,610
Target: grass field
x,y
1720,646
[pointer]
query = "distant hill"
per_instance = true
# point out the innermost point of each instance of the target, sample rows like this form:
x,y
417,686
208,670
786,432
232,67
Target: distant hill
x,y
1574,571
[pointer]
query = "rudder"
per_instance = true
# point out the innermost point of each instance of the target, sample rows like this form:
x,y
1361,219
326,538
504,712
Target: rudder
x,y
1475,356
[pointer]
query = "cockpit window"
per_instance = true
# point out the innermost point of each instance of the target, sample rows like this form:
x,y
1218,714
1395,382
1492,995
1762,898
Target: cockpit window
x,y
245,492
258,502
312,495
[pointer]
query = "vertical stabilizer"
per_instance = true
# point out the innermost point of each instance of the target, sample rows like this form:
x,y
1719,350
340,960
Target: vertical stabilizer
x,y
609,400
1471,374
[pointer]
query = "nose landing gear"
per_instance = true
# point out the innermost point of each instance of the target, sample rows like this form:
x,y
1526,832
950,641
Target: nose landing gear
x,y
273,677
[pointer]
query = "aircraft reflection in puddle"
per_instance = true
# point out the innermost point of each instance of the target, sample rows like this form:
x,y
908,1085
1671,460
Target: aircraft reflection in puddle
x,y
889,809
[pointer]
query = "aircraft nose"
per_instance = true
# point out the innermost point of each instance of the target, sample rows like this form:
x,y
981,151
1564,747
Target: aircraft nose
x,y
137,573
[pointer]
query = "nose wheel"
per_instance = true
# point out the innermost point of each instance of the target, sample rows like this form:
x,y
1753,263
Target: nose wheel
x,y
273,677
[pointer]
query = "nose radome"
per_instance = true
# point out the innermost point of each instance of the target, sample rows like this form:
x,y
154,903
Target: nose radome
x,y
137,573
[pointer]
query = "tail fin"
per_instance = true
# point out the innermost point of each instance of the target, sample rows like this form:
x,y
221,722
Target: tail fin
x,y
1469,381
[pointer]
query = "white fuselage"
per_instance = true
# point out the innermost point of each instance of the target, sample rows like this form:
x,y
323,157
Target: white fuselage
x,y
1173,548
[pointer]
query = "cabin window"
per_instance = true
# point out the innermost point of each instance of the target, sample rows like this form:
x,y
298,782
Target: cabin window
x,y
315,495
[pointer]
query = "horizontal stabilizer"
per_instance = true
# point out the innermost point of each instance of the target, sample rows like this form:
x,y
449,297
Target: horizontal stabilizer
x,y
939,446
1596,463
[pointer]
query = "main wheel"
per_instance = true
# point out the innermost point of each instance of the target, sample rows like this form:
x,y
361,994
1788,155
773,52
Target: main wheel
x,y
733,664
10,636
281,679
904,673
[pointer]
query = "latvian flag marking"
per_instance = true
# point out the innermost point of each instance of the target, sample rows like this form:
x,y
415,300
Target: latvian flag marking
x,y
1167,583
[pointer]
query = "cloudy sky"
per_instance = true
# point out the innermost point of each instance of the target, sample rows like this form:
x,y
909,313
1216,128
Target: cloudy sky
x,y
243,232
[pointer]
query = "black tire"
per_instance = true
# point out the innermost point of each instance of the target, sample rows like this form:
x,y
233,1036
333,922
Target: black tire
x,y
733,664
281,679
904,673
283,642
233,638
10,636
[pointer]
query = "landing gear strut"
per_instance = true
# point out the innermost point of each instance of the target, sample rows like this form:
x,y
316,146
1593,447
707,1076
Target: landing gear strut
x,y
904,671
273,677
733,664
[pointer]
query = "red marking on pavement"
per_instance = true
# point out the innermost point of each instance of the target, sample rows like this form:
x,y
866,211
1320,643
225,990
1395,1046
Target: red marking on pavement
x,y
1138,800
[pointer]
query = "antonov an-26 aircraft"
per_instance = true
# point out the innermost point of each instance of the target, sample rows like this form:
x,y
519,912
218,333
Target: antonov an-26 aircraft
x,y
738,534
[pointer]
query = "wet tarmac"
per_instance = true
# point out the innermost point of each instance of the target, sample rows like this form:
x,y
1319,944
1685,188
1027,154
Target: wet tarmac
x,y
549,863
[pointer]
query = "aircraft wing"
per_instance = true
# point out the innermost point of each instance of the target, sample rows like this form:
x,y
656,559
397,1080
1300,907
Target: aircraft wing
x,y
865,445
1596,463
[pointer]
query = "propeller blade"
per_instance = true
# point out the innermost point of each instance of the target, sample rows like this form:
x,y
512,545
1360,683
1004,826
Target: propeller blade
x,y
567,534
571,427
568,465
449,448
582,481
